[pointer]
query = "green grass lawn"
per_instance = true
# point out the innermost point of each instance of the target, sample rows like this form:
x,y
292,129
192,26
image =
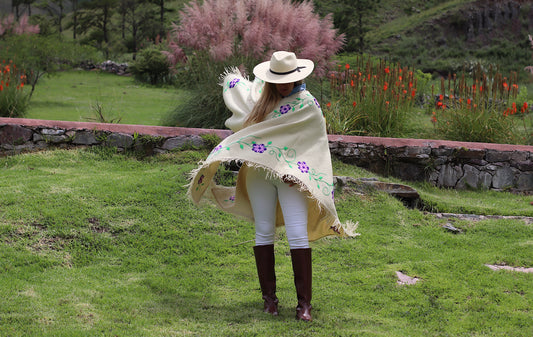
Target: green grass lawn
x,y
94,243
72,96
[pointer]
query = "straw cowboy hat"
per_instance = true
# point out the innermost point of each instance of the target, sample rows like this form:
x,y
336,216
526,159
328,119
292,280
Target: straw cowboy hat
x,y
284,67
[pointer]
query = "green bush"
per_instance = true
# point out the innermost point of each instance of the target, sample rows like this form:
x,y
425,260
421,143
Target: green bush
x,y
152,67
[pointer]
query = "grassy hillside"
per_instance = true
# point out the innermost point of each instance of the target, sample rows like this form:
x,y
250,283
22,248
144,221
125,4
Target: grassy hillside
x,y
442,37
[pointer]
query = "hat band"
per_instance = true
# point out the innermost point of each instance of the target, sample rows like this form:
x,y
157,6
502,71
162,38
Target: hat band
x,y
288,72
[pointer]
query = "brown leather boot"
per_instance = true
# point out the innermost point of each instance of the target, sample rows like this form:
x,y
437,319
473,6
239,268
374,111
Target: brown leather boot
x,y
302,267
264,260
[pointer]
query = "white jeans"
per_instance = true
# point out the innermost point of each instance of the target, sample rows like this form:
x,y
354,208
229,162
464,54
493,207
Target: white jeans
x,y
264,193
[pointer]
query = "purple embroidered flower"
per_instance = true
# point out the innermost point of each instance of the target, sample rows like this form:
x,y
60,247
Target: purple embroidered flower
x,y
216,149
302,166
232,198
333,194
284,109
234,82
259,148
201,179
317,104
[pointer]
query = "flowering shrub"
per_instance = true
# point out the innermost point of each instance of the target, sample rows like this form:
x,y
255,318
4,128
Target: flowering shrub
x,y
8,25
483,108
370,98
213,35
253,30
13,100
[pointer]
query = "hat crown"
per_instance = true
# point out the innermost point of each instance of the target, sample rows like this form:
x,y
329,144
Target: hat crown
x,y
283,67
282,62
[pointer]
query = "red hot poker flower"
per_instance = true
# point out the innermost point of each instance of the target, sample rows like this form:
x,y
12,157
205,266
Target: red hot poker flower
x,y
524,108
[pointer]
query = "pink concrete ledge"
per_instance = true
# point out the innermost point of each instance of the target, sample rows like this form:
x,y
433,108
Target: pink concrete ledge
x,y
131,129
166,131
400,142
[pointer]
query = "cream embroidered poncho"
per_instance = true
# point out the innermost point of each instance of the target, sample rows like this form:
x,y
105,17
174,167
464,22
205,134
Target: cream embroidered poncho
x,y
291,141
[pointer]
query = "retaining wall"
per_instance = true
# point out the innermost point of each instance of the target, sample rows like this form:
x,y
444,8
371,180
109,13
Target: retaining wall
x,y
442,163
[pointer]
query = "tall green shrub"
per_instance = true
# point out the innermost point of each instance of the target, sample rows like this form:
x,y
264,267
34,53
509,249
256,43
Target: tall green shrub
x,y
152,67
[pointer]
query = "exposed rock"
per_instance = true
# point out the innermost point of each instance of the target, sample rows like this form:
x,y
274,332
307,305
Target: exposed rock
x,y
405,279
525,182
119,140
109,66
363,185
503,178
182,141
52,132
85,138
503,267
449,175
14,134
470,178
476,217
451,228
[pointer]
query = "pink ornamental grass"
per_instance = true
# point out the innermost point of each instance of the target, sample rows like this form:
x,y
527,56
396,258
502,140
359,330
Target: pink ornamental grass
x,y
254,29
23,26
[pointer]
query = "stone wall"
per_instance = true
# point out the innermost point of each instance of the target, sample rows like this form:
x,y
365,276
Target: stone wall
x,y
442,163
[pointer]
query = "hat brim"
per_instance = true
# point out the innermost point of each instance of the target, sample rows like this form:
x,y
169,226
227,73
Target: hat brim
x,y
262,70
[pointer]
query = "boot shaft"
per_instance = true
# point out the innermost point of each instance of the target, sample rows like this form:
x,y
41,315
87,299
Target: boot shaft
x,y
303,275
265,262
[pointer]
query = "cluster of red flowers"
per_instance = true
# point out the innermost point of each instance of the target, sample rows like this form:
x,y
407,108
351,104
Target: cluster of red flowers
x,y
513,110
482,90
381,83
9,76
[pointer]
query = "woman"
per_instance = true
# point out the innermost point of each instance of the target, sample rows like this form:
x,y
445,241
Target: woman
x,y
286,177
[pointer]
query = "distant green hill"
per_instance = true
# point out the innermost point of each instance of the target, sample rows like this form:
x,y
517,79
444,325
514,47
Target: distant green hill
x,y
441,36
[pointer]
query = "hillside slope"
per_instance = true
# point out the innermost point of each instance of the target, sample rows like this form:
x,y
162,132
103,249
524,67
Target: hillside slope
x,y
440,37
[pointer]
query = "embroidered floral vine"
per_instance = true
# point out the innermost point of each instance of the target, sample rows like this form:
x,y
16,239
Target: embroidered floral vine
x,y
230,84
297,103
282,154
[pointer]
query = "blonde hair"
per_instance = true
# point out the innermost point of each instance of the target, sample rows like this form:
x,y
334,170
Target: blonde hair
x,y
268,100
